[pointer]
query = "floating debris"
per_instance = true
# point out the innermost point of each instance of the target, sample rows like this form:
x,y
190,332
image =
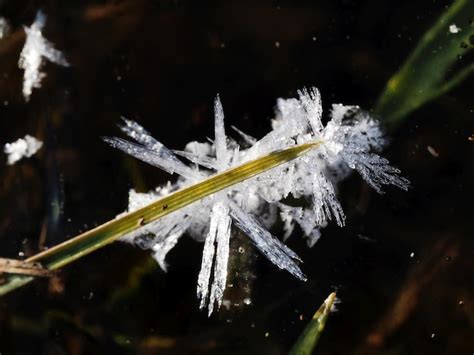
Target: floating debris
x,y
432,151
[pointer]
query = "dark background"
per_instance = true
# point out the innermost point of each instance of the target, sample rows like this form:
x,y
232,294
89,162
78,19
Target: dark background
x,y
161,63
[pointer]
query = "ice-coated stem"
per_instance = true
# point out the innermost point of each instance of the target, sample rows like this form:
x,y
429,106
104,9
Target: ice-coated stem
x,y
85,243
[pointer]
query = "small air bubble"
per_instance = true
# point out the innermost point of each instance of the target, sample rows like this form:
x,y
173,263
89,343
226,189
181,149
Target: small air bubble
x,y
277,44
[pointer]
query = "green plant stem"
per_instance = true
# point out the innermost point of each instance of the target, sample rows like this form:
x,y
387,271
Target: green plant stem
x,y
426,74
308,339
108,232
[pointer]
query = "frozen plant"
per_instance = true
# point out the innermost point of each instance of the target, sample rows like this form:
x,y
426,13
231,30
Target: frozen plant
x,y
349,141
31,58
21,148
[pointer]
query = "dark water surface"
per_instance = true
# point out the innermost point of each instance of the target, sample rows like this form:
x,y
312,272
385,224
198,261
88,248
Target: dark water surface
x,y
402,266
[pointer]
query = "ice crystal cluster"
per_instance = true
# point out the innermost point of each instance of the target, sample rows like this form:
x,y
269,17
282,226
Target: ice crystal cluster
x,y
349,141
31,58
21,148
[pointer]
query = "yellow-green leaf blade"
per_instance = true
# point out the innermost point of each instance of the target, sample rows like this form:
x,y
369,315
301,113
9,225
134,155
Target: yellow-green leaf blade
x,y
308,339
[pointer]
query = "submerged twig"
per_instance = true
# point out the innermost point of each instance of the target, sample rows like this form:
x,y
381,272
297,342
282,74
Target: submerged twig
x,y
20,267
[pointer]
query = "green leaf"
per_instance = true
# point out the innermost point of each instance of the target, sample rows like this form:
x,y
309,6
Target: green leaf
x,y
308,340
107,233
429,70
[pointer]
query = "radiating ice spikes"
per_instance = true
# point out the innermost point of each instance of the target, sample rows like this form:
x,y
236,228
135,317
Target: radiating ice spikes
x,y
311,102
325,203
220,140
151,151
140,135
247,138
349,140
275,251
217,241
376,171
204,161
216,244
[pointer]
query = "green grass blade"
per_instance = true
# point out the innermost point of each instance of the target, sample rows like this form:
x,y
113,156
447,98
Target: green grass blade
x,y
308,340
106,233
427,72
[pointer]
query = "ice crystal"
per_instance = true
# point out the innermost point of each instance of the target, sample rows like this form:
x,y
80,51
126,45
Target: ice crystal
x,y
35,49
21,148
454,29
4,27
350,141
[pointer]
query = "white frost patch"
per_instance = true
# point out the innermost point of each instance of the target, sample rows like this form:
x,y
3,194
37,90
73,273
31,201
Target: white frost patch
x,y
335,305
349,141
22,148
35,49
4,27
454,29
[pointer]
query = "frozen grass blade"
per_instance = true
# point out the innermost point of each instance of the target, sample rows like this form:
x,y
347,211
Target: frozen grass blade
x,y
96,238
309,338
428,71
